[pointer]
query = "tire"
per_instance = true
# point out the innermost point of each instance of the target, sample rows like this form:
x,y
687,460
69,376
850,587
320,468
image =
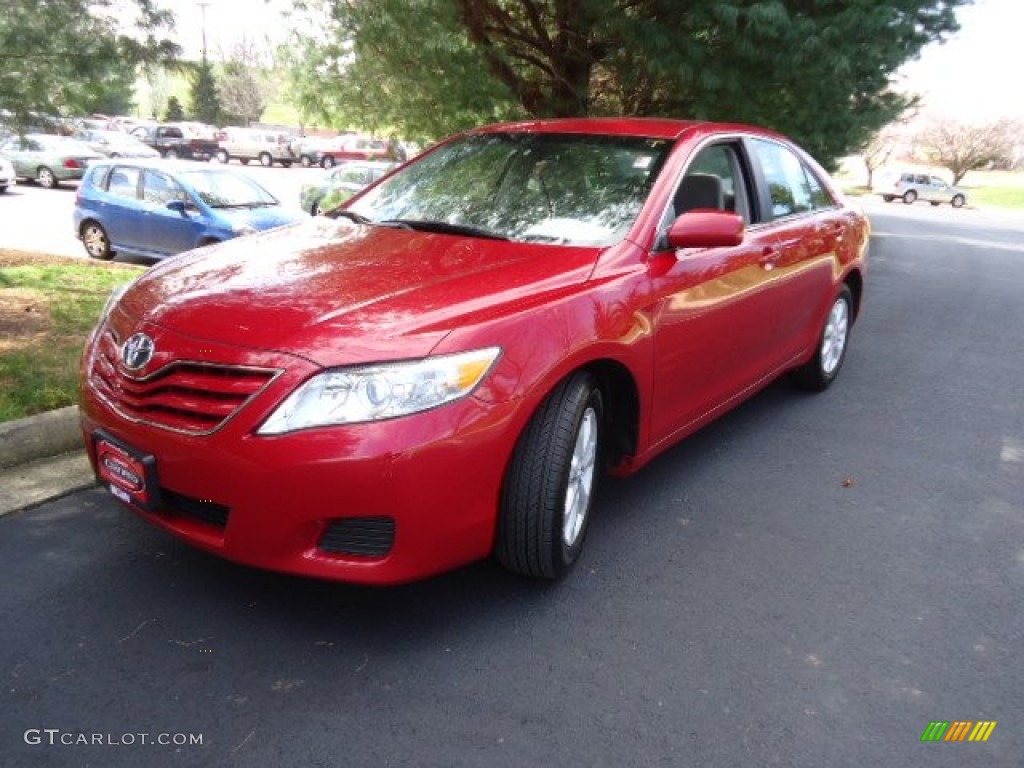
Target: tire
x,y
45,178
888,198
243,160
266,160
286,163
327,162
3,190
305,161
315,209
223,156
934,204
909,197
172,154
958,201
821,370
96,242
549,487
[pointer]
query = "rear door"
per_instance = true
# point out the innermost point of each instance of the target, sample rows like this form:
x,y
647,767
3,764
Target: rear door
x,y
120,208
808,226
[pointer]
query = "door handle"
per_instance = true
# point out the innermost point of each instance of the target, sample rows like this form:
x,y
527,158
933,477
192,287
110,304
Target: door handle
x,y
769,257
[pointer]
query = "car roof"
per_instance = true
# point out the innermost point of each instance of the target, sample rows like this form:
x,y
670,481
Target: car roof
x,y
645,127
165,164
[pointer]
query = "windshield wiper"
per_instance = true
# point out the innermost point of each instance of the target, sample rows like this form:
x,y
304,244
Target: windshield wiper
x,y
444,228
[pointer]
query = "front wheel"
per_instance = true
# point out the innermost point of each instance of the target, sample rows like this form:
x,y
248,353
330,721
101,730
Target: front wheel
x,y
172,154
909,196
327,162
820,371
958,201
223,156
266,160
547,494
305,161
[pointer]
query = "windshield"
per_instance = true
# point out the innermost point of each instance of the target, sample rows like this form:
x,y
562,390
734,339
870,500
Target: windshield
x,y
556,188
221,189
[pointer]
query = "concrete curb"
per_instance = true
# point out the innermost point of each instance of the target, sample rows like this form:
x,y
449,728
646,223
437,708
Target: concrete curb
x,y
42,457
38,437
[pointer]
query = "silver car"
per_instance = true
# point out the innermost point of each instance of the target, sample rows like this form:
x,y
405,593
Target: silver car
x,y
48,160
911,187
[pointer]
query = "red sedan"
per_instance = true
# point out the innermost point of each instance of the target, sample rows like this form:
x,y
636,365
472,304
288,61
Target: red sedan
x,y
441,370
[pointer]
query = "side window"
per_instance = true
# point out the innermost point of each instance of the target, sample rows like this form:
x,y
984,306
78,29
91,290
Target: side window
x,y
160,189
714,179
123,182
793,187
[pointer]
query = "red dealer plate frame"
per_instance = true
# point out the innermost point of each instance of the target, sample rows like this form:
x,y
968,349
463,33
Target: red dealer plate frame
x,y
129,474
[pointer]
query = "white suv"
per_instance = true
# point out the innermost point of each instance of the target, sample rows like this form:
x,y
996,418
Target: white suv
x,y
911,187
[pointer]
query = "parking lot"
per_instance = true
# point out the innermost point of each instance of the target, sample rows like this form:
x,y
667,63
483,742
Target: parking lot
x,y
810,581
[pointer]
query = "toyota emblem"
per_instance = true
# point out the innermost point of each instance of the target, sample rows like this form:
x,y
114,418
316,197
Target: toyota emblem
x,y
137,351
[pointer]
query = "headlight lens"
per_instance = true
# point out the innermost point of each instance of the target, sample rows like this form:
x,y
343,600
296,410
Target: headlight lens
x,y
377,392
115,296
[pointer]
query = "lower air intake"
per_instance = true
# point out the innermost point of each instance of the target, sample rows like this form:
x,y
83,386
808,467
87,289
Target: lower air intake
x,y
365,536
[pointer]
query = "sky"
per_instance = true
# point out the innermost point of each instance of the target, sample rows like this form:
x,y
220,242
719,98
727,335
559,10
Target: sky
x,y
974,76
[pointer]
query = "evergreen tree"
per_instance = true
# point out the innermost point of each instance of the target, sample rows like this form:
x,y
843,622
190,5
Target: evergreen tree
x,y
175,112
819,71
205,99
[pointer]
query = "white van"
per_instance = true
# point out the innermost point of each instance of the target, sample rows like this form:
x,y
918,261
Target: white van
x,y
245,144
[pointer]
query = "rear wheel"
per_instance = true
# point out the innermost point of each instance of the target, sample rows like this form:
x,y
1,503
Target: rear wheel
x,y
266,160
958,201
286,163
305,161
887,198
45,177
821,370
223,156
327,162
909,196
172,154
547,494
96,242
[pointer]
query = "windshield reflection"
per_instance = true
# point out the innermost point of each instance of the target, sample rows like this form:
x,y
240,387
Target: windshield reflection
x,y
552,188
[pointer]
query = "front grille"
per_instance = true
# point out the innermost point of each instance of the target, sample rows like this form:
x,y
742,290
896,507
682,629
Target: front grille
x,y
185,396
204,510
366,536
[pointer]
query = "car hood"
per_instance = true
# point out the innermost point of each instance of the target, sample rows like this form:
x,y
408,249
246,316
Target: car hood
x,y
258,218
337,293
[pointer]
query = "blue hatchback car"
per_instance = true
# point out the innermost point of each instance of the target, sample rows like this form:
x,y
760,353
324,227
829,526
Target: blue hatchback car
x,y
156,208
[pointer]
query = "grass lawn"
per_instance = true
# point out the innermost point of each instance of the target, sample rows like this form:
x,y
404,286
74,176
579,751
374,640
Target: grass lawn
x,y
48,306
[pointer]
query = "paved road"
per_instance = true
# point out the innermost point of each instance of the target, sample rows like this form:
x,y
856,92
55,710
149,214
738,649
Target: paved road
x,y
808,582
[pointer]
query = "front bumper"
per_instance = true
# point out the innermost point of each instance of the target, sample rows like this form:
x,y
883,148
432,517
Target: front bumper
x,y
380,503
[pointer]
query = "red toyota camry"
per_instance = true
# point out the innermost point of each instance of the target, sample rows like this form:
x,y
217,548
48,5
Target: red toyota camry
x,y
440,370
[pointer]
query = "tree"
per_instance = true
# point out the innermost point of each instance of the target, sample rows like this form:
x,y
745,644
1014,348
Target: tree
x,y
205,99
819,71
962,147
243,88
77,56
175,112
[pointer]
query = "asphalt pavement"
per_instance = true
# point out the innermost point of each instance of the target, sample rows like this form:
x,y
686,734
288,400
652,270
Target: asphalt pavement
x,y
810,581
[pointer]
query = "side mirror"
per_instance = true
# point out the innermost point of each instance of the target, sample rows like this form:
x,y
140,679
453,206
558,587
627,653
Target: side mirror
x,y
177,205
706,228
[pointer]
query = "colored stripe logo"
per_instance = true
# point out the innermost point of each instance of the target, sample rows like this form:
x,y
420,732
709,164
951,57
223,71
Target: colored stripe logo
x,y
958,730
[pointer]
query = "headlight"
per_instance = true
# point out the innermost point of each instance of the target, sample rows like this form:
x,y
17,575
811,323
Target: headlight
x,y
115,296
376,392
